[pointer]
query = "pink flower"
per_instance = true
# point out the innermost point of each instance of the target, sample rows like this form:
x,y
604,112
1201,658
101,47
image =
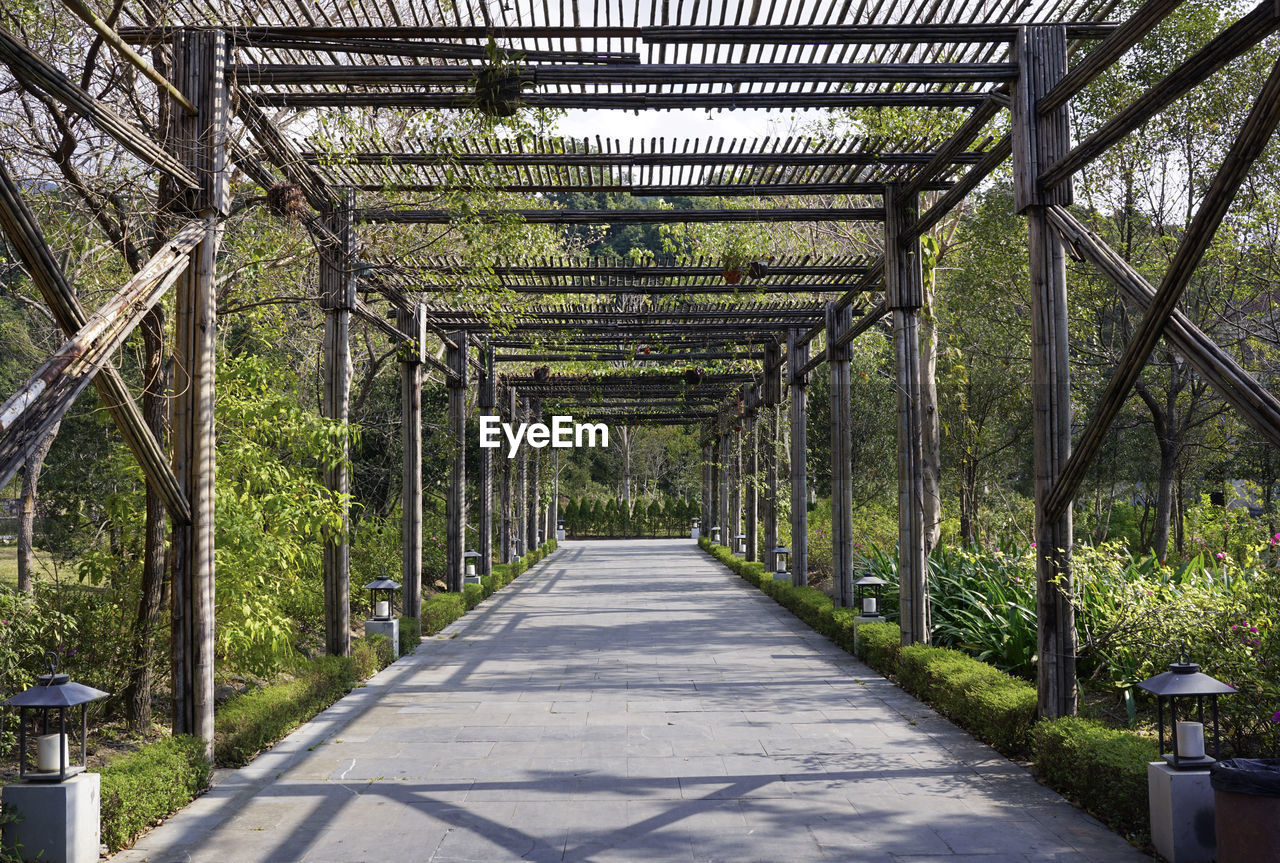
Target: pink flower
x,y
1275,717
1220,555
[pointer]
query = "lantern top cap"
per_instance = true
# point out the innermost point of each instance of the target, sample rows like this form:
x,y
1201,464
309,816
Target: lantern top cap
x,y
870,581
56,690
471,553
1184,678
383,583
781,549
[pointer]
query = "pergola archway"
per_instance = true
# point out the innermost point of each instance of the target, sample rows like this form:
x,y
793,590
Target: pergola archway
x,y
232,67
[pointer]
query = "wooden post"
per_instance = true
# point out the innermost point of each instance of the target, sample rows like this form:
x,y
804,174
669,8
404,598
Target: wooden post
x,y
506,528
487,402
713,449
769,446
797,358
726,497
519,413
411,468
838,322
904,291
752,489
534,511
200,142
1038,141
456,500
735,482
708,487
338,299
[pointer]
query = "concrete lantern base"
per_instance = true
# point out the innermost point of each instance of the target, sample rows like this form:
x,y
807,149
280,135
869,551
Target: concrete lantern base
x,y
388,628
1181,814
58,822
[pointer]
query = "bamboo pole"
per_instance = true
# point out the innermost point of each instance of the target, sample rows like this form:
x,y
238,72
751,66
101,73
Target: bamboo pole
x,y
772,382
456,500
626,217
411,465
797,356
838,323
487,402
752,507
506,531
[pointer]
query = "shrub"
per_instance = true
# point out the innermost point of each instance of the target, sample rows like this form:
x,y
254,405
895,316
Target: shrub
x,y
989,704
369,655
410,635
488,584
1103,769
441,610
149,784
472,594
878,646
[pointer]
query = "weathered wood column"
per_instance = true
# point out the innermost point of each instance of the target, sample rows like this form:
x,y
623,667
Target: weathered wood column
x,y
487,402
904,293
534,511
735,483
713,516
1038,142
456,498
797,357
752,477
769,449
520,523
201,142
506,527
725,521
411,467
708,487
838,323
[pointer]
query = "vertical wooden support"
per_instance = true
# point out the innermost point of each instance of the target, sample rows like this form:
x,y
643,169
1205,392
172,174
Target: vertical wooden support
x,y
456,499
506,528
726,498
519,413
839,322
487,402
708,485
411,468
904,293
713,449
752,476
1038,142
200,141
338,299
534,511
735,483
797,357
769,449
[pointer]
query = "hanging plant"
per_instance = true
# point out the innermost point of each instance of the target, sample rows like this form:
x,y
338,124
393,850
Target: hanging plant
x,y
734,260
693,377
286,201
497,86
758,269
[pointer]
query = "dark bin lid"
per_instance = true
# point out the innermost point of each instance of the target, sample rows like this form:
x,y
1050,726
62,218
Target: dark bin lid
x,y
1257,776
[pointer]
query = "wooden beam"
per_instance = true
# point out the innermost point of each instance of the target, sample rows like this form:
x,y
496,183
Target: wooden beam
x,y
456,497
34,72
28,415
1252,401
627,217
838,323
864,323
338,301
1231,43
1037,140
825,155
1247,147
23,231
410,467
993,159
953,149
904,294
284,155
1107,52
665,74
798,384
835,98
199,58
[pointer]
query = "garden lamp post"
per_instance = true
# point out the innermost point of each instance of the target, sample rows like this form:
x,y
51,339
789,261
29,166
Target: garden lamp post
x,y
742,545
782,572
715,534
57,802
694,533
382,617
869,591
470,576
560,530
1178,786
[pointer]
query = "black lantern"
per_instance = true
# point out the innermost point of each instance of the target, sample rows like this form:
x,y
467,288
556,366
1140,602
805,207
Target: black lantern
x,y
470,558
53,692
382,598
1182,683
781,554
870,594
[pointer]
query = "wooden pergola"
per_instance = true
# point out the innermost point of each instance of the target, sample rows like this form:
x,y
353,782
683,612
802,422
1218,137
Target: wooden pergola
x,y
232,68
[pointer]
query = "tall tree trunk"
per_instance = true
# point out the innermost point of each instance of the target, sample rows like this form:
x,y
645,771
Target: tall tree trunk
x,y
930,439
137,696
27,510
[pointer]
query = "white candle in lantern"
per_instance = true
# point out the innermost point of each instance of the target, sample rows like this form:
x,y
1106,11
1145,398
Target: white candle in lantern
x,y
383,609
49,749
868,605
1190,739
471,569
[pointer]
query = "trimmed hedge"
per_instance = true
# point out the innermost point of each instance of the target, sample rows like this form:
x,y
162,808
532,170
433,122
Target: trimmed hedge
x,y
144,786
410,635
1102,769
443,609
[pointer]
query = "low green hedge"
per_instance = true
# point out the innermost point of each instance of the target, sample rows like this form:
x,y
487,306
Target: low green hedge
x,y
410,635
442,609
1102,769
144,786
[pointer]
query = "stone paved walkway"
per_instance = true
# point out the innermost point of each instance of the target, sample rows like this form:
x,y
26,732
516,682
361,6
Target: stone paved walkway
x,y
630,701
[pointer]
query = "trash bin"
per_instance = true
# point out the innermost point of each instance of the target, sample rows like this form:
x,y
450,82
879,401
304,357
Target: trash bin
x,y
1246,802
